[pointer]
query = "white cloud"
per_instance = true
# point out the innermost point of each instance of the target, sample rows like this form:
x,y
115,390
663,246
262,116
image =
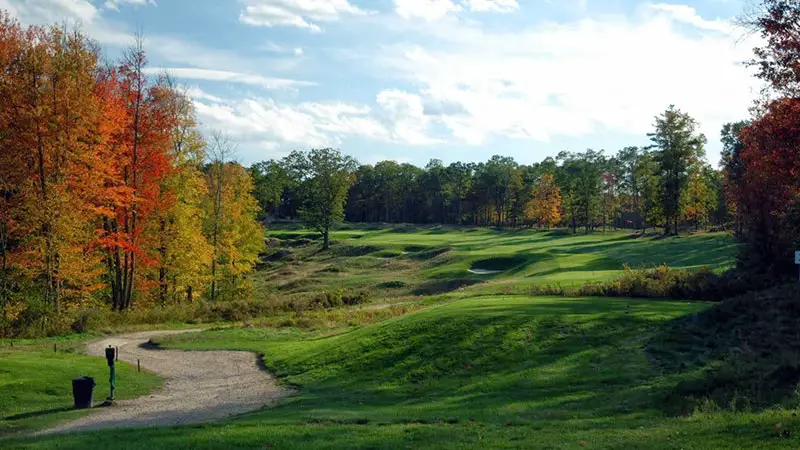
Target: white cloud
x,y
429,10
432,10
688,15
73,12
44,12
271,125
198,94
190,73
272,47
294,13
405,117
492,5
610,74
114,4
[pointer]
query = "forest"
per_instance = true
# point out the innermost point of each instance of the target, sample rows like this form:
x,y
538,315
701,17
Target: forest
x,y
109,193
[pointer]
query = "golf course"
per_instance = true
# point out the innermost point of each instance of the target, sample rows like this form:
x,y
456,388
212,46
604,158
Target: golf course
x,y
399,224
438,356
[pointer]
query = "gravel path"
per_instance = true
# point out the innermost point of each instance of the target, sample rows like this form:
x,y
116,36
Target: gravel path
x,y
200,386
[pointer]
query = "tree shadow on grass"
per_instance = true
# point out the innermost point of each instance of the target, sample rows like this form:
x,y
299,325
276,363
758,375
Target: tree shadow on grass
x,y
44,412
444,286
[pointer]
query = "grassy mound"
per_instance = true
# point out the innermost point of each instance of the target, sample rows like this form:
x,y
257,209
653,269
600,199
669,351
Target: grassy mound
x,y
749,345
492,372
500,264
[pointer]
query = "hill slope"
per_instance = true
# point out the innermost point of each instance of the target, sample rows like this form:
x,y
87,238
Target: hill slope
x,y
490,372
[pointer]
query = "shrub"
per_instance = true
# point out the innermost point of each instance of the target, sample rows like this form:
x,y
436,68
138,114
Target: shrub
x,y
89,319
339,297
666,282
357,298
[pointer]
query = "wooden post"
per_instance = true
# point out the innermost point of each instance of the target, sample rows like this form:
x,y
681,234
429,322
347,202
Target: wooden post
x,y
54,348
138,366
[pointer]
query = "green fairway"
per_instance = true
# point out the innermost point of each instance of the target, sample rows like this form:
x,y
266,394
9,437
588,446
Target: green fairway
x,y
488,372
36,383
473,362
403,262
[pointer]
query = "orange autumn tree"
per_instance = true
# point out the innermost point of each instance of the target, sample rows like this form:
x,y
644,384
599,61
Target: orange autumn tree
x,y
12,40
141,141
103,193
544,207
51,136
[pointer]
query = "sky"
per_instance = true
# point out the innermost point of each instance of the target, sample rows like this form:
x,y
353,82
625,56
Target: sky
x,y
411,80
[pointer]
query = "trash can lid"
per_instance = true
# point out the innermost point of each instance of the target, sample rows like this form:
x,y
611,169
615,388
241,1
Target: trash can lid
x,y
84,378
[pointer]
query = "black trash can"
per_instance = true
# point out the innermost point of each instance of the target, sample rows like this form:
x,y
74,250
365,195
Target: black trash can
x,y
82,392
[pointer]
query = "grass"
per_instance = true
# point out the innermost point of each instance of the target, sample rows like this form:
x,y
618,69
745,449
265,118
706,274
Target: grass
x,y
436,260
445,358
486,372
36,386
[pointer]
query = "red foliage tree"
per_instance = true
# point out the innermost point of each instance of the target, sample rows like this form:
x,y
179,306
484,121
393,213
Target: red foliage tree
x,y
768,192
138,134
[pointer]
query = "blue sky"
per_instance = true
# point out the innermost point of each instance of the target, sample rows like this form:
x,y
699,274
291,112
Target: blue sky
x,y
412,80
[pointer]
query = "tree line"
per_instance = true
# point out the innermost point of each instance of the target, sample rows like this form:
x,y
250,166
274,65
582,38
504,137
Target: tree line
x,y
668,184
109,194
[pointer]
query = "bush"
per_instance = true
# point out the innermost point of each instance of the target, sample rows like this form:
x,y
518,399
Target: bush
x,y
665,282
89,319
357,298
339,297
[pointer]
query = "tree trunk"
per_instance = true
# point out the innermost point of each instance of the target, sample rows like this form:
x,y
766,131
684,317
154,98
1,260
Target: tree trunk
x,y
162,270
214,277
325,239
3,259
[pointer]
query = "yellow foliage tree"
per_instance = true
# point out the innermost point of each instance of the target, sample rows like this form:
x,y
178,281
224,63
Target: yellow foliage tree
x,y
239,237
182,250
544,207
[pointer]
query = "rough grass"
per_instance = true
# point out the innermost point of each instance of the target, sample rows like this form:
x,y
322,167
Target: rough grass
x,y
490,372
750,346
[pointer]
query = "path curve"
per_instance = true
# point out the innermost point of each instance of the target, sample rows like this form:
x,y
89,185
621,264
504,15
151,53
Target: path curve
x,y
200,386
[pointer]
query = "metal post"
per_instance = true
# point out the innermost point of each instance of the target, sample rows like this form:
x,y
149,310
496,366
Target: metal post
x,y
112,372
112,381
